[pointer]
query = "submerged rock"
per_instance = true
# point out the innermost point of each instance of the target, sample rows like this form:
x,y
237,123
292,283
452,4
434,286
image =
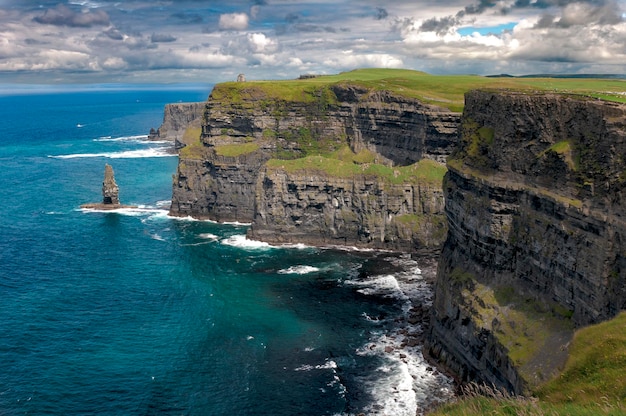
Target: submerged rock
x,y
110,193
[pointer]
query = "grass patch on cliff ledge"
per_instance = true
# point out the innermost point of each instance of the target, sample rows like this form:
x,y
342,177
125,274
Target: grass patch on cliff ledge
x,y
442,90
236,149
592,382
194,149
424,171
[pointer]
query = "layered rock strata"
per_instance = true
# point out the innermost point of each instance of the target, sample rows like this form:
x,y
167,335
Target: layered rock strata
x,y
536,212
362,211
224,176
177,118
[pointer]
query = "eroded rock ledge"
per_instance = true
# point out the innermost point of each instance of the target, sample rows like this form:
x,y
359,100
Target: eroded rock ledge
x,y
535,248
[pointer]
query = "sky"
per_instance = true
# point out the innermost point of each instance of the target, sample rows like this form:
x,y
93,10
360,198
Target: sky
x,y
174,41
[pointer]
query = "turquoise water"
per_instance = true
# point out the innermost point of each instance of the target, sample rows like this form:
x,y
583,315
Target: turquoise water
x,y
134,312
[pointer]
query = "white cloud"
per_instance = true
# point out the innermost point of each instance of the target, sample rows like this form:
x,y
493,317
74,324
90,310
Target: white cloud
x,y
115,63
59,59
234,21
350,60
260,43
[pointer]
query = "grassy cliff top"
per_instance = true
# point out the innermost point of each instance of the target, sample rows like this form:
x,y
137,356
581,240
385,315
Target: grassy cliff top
x,y
443,90
592,382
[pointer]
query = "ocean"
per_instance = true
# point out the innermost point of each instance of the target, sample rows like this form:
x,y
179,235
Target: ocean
x,y
133,312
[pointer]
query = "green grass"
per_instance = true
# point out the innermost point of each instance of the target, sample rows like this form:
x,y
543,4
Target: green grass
x,y
234,150
424,171
563,148
592,382
443,90
194,148
595,369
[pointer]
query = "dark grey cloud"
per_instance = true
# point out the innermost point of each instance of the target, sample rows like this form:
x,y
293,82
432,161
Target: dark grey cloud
x,y
477,8
114,34
381,13
582,14
34,42
312,28
62,15
162,38
189,18
439,25
546,21
292,17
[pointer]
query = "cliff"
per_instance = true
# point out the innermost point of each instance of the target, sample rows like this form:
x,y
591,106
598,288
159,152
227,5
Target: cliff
x,y
536,215
177,118
339,163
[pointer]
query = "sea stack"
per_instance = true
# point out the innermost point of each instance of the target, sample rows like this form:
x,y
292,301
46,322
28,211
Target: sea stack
x,y
110,190
110,193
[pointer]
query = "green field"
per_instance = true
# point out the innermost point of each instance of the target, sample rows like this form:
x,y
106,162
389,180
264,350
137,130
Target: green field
x,y
444,90
592,383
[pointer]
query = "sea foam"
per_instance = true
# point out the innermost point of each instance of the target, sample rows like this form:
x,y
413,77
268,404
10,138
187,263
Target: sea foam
x,y
136,138
404,382
300,269
241,241
128,154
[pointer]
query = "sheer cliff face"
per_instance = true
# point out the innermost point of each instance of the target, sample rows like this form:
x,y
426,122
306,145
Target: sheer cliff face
x,y
177,118
225,177
361,211
535,206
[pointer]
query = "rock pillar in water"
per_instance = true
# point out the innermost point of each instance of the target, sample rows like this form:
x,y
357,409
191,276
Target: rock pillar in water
x,y
110,190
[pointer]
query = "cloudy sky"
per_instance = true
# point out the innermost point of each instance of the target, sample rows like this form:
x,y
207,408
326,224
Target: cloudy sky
x,y
95,41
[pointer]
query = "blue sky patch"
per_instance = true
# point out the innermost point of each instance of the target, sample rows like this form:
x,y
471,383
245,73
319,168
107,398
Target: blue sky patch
x,y
496,30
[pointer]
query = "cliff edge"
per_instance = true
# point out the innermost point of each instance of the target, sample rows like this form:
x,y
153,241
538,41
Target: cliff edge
x,y
319,163
536,214
177,119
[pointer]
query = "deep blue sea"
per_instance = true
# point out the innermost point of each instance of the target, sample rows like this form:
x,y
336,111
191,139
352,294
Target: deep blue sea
x,y
136,313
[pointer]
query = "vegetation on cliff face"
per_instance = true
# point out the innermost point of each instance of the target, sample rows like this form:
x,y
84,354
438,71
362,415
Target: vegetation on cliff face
x,y
234,150
592,382
340,165
194,148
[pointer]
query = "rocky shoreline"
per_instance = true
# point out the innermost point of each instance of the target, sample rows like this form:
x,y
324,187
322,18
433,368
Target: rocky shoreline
x,y
409,282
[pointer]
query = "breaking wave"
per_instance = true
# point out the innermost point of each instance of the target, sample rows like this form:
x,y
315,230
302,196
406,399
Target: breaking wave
x,y
300,269
127,154
136,138
403,383
241,241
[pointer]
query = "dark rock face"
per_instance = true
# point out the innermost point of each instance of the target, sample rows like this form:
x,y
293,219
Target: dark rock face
x,y
110,190
401,130
215,182
323,210
176,119
535,207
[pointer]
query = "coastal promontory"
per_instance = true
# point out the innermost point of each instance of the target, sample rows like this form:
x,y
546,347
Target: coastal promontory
x,y
321,162
516,185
